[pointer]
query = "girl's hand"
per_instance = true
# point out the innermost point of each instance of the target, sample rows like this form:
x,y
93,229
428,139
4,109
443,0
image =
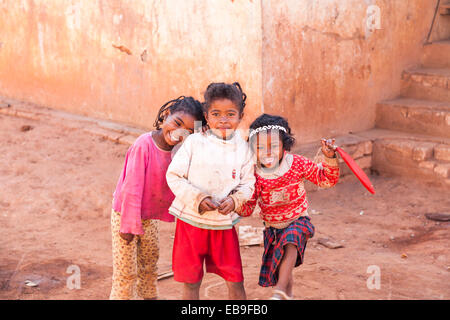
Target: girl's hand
x,y
128,237
226,206
328,147
206,205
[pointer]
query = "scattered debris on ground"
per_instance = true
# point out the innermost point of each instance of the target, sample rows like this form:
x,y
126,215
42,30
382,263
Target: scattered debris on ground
x,y
251,236
438,216
330,243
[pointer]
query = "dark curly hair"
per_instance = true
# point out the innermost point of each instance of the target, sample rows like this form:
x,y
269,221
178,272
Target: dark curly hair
x,y
266,120
220,90
188,105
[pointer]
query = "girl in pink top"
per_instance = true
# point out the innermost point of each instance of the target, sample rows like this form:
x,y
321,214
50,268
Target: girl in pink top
x,y
142,197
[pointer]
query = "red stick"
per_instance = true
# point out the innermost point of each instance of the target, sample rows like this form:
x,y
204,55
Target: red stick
x,y
359,173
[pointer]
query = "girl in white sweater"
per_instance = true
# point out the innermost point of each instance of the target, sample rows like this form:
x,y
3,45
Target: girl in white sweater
x,y
211,175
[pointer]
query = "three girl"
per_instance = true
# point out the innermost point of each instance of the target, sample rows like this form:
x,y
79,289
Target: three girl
x,y
142,197
281,196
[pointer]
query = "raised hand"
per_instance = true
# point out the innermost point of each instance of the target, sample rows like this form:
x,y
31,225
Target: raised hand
x,y
328,147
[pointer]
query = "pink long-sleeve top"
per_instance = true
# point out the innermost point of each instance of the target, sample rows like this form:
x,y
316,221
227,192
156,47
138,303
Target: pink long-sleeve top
x,y
142,192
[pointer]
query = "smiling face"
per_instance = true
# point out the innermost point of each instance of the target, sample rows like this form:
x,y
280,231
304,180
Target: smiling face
x,y
269,149
223,118
176,127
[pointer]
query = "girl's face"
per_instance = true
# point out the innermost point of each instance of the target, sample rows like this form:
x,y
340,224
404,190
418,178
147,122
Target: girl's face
x,y
269,149
176,127
223,118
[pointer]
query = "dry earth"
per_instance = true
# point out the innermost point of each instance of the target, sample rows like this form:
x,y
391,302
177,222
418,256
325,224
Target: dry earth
x,y
56,185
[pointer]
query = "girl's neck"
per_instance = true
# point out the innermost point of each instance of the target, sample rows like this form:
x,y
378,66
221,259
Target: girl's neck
x,y
158,138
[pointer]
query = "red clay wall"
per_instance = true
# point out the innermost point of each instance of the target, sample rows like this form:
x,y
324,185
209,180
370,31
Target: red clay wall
x,y
312,61
325,70
60,53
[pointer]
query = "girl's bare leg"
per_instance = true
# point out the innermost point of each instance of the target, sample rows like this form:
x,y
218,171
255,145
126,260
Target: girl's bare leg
x,y
236,290
285,280
191,291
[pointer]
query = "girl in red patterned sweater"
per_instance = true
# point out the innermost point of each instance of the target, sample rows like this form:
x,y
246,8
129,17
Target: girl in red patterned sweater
x,y
280,194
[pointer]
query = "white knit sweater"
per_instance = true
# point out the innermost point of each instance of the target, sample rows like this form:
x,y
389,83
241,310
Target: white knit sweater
x,y
208,166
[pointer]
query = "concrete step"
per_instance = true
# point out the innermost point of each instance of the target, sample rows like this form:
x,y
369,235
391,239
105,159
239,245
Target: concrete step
x,y
415,116
436,54
426,84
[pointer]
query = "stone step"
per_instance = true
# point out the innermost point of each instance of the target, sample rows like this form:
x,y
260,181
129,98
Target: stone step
x,y
121,133
441,28
444,8
436,54
426,84
413,115
390,152
384,134
416,155
403,157
400,153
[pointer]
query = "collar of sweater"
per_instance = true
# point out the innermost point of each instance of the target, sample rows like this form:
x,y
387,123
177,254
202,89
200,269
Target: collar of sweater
x,y
232,141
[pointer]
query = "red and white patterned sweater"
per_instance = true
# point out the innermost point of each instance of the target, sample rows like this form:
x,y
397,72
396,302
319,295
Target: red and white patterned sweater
x,y
283,199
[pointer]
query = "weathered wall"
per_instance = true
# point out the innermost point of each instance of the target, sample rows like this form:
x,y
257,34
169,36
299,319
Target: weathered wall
x,y
325,71
312,61
60,53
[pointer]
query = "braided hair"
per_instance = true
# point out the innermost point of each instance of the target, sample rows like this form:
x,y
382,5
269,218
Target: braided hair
x,y
181,104
270,120
220,90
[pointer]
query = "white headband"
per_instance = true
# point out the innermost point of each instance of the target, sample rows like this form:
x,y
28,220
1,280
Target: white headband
x,y
265,128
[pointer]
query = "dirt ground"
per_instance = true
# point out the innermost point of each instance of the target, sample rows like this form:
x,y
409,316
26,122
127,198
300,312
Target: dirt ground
x,y
56,186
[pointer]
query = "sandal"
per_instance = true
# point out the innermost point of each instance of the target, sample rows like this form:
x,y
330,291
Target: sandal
x,y
281,295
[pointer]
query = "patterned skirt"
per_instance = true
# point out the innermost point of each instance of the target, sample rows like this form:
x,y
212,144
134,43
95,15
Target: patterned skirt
x,y
297,233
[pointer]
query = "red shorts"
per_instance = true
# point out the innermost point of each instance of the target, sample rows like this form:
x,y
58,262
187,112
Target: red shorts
x,y
219,249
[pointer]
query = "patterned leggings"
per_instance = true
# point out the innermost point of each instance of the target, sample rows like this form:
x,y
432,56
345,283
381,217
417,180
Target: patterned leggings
x,y
134,264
